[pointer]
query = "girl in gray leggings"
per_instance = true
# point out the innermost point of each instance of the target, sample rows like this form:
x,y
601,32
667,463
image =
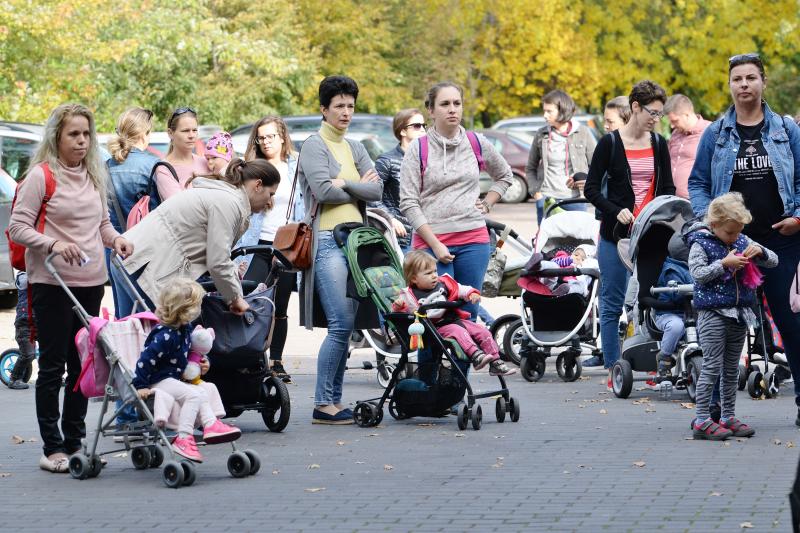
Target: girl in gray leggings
x,y
720,260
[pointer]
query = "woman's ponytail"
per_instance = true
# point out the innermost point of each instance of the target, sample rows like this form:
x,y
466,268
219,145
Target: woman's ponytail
x,y
134,124
119,148
235,172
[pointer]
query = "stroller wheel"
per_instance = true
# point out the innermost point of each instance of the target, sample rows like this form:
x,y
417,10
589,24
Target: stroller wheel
x,y
395,411
513,409
477,417
500,408
622,378
363,415
377,413
172,474
742,377
532,368
156,456
79,466
385,371
7,361
95,466
189,473
238,464
770,384
498,331
693,368
755,384
277,405
255,461
463,416
140,457
513,342
568,366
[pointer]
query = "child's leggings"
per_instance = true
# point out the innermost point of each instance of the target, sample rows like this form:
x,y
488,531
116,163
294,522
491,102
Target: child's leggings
x,y
193,401
470,336
721,339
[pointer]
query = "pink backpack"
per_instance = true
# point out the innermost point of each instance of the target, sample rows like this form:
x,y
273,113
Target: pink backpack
x,y
423,155
126,336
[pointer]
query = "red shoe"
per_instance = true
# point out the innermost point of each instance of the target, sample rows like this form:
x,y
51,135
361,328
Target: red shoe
x,y
737,427
187,448
710,430
218,432
609,386
651,383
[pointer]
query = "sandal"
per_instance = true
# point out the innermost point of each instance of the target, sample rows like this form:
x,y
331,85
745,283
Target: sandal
x,y
710,430
737,427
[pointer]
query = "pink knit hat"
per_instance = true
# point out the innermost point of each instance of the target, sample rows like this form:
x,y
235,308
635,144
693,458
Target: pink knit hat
x,y
220,145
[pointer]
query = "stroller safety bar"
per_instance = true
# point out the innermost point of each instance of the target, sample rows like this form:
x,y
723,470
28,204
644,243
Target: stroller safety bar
x,y
673,288
562,203
440,305
499,227
562,272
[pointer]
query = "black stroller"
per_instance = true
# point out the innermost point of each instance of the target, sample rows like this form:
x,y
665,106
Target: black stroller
x,y
439,379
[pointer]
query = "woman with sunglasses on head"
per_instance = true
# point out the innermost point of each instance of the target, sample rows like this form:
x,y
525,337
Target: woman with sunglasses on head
x,y
639,171
269,140
756,152
559,151
182,130
443,204
408,124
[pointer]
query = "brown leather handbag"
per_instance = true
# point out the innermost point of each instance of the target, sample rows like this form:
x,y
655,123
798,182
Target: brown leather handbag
x,y
295,240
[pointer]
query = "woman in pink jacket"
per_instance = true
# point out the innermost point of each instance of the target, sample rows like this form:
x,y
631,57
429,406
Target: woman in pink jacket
x,y
76,226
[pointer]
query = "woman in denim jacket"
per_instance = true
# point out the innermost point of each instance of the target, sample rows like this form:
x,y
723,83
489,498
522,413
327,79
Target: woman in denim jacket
x,y
269,139
756,152
129,179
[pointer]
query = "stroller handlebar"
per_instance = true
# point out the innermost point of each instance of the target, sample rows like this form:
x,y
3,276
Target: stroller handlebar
x,y
264,250
499,227
686,288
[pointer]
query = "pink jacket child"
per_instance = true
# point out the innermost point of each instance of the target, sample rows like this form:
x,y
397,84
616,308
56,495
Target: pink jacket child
x,y
476,341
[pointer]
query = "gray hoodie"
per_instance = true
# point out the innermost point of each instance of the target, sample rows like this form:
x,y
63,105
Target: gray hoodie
x,y
445,198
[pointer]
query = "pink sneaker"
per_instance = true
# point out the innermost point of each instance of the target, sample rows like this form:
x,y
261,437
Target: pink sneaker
x,y
219,432
187,448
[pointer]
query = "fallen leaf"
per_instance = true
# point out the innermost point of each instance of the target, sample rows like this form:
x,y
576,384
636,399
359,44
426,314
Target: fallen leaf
x,y
459,435
16,439
359,462
276,472
648,410
497,465
499,436
565,472
340,443
315,489
726,444
776,442
715,494
5,474
640,402
388,467
603,412
426,425
639,464
313,467
746,525
374,435
790,444
687,405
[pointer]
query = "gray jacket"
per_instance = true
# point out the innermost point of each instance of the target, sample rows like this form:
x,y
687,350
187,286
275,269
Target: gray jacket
x,y
581,144
317,167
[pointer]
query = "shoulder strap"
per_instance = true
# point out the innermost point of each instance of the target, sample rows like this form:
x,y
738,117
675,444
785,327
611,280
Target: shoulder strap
x,y
49,191
290,207
477,149
168,167
423,159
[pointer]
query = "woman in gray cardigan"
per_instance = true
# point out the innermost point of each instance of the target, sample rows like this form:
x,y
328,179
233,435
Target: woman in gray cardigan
x,y
338,180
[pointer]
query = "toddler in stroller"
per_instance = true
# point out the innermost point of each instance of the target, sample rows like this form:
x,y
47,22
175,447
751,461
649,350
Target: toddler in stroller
x,y
425,286
163,361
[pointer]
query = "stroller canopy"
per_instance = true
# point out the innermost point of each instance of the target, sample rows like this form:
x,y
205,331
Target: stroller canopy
x,y
567,229
670,211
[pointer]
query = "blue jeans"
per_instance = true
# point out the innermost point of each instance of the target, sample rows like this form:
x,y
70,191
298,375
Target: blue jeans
x,y
776,288
330,282
672,326
613,283
468,268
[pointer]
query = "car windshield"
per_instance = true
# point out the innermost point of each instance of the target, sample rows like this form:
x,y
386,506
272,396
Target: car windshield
x,y
16,154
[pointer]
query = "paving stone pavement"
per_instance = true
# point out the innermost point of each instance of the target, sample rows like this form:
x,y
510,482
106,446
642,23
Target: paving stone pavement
x,y
578,460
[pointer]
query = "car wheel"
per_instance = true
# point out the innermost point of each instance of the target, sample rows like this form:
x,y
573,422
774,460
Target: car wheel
x,y
517,192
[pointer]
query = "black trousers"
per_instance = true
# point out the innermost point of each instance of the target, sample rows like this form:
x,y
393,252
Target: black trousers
x,y
56,326
258,271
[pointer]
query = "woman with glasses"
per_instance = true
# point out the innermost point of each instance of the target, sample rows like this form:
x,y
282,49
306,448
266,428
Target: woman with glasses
x,y
443,204
182,131
634,162
559,150
269,140
337,180
408,124
756,152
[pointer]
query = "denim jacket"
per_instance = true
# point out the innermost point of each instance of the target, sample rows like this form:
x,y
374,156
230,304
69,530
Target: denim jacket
x,y
712,173
131,180
253,232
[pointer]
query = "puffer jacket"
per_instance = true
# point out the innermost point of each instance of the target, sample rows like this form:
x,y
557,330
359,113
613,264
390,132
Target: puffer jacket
x,y
388,168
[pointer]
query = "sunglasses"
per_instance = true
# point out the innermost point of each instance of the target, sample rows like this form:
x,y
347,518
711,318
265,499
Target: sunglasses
x,y
743,58
180,111
416,125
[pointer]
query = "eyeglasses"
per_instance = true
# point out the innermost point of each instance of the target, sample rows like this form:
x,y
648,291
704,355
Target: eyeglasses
x,y
743,58
180,111
268,137
416,125
653,113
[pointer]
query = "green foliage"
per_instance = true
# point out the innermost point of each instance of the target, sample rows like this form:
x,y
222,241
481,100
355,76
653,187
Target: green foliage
x,y
236,60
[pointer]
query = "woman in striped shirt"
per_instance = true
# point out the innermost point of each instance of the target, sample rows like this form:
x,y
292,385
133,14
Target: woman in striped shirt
x,y
635,163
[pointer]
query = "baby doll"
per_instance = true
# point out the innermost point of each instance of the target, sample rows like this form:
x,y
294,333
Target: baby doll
x,y
202,341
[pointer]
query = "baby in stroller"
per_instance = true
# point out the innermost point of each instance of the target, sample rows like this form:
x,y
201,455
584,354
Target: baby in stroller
x,y
582,256
163,361
425,286
671,322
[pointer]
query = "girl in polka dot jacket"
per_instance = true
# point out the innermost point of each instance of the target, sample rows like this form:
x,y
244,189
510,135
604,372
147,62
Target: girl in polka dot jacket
x,y
163,361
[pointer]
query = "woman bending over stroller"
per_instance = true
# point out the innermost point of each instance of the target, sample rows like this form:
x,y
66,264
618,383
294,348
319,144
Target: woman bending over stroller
x,y
425,286
163,361
724,291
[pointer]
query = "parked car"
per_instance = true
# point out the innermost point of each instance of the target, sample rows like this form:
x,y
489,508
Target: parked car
x,y
514,147
378,125
371,142
531,124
